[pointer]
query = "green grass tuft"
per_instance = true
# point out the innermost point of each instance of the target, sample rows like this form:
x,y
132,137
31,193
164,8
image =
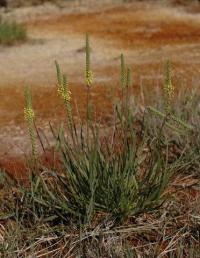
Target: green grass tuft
x,y
12,33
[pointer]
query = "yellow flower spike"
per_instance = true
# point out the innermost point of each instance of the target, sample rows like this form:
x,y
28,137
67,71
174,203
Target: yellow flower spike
x,y
89,78
29,114
64,90
66,96
88,71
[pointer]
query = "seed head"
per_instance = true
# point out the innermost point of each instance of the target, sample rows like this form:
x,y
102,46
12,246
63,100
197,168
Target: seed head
x,y
28,110
88,71
89,78
63,90
29,114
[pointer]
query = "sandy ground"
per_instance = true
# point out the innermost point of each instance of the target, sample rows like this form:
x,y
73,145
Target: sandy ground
x,y
147,34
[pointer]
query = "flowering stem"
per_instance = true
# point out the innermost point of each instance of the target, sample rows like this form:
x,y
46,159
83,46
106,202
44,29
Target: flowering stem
x,y
88,80
29,118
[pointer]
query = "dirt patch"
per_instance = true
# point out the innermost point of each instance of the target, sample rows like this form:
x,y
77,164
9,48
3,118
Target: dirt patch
x,y
131,26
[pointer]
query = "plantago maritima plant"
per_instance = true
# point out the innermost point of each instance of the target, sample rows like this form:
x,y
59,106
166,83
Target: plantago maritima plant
x,y
100,177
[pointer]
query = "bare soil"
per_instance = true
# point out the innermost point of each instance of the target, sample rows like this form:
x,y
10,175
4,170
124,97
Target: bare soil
x,y
147,34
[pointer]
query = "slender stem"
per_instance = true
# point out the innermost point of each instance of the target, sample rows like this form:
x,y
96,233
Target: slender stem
x,y
88,114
